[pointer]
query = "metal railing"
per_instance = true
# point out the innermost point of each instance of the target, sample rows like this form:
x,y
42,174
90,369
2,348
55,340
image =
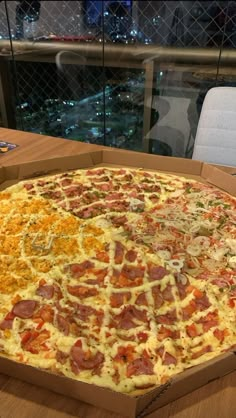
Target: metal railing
x,y
146,57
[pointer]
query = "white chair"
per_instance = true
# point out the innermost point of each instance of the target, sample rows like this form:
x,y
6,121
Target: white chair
x,y
215,140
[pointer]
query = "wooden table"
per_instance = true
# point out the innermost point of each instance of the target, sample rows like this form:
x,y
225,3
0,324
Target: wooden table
x,y
21,400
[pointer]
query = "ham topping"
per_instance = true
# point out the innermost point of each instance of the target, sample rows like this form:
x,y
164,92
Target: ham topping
x,y
141,300
63,324
6,324
156,272
119,252
119,299
86,360
24,309
82,291
130,317
140,366
131,256
46,291
167,358
132,272
78,270
169,318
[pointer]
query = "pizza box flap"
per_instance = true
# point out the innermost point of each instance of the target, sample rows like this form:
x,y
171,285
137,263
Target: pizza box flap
x,y
2,175
223,179
124,404
193,378
154,162
46,167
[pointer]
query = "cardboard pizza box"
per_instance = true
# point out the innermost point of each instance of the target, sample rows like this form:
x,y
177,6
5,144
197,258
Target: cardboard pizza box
x,y
181,384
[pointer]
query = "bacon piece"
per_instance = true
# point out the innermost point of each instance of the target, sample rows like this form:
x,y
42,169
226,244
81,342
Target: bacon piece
x,y
204,350
85,360
45,291
62,324
83,312
104,187
73,191
119,299
78,270
128,318
82,291
6,324
131,256
202,303
52,194
66,182
61,357
139,366
92,211
169,318
114,196
119,252
28,186
167,358
220,334
156,272
182,288
57,292
118,206
95,172
141,300
209,321
167,333
119,220
100,276
24,308
192,330
75,204
188,310
125,354
102,256
157,297
34,341
46,313
129,276
132,272
167,294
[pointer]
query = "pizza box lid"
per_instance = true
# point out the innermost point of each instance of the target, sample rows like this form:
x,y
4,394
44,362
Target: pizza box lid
x,y
185,382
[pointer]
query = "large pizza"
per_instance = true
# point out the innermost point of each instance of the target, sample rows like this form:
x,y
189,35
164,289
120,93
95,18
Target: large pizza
x,y
117,277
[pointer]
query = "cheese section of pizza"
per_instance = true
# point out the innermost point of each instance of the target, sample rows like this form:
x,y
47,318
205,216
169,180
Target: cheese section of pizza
x,y
118,277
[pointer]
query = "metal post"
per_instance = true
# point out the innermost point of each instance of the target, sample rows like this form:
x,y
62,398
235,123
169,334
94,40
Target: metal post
x,y
7,108
147,111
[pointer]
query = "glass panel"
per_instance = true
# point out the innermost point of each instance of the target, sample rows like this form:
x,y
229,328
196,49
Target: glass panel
x,y
7,87
130,74
59,79
175,43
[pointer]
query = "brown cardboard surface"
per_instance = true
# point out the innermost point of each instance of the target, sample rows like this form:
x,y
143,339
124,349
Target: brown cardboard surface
x,y
219,178
194,378
105,398
155,162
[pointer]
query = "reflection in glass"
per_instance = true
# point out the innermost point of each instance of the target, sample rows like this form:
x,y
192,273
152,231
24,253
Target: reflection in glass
x,y
131,74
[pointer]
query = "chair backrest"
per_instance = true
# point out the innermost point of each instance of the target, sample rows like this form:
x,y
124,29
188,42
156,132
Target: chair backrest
x,y
215,140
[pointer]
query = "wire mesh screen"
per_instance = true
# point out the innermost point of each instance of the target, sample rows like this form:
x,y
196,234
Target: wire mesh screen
x,y
94,103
